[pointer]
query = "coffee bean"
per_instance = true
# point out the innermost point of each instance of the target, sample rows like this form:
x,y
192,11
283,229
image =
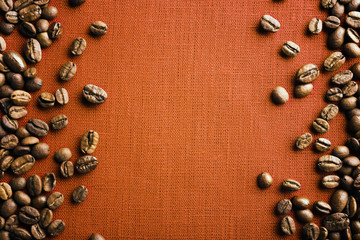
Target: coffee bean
x,y
44,39
338,10
342,77
268,23
9,124
321,207
356,70
62,96
59,122
40,151
334,61
96,236
328,3
291,185
304,216
287,226
76,2
332,22
334,94
3,132
351,161
37,232
2,44
39,202
30,73
12,17
323,233
30,13
37,127
8,208
330,181
6,5
3,67
20,233
67,170
62,155
55,200
356,183
17,112
34,185
46,100
346,234
22,133
4,235
290,49
322,144
33,85
56,227
311,231
28,141
79,194
303,90
355,226
46,216
18,183
49,13
283,207
349,103
93,94
5,162
339,200
352,35
97,95
89,142
336,222
315,26
353,145
32,50
351,207
351,50
329,163
42,25
353,5
20,98
307,73
22,198
67,71
329,112
336,38
27,29
55,30
350,89
15,80
320,125
5,191
11,223
303,141
6,28
49,182
300,202
2,223
9,141
21,150
29,215
41,3
87,163
22,164
353,19
14,61
78,46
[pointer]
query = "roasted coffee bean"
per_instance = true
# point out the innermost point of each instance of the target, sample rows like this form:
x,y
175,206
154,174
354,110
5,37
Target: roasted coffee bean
x,y
33,85
30,73
349,103
351,161
311,231
321,207
55,30
338,10
334,236
339,200
32,50
27,29
30,13
288,185
99,28
6,5
8,208
9,141
315,26
353,5
67,71
290,49
76,2
337,222
39,202
62,96
37,232
334,94
328,3
352,35
346,234
22,164
304,216
2,75
19,4
9,124
287,225
303,90
42,25
21,150
18,183
89,142
5,162
11,223
329,112
49,13
320,125
44,39
332,22
79,194
346,182
355,226
42,3
17,112
3,132
329,163
15,80
356,183
93,94
4,235
49,182
59,122
46,216
5,191
300,202
5,102
6,28
342,78
20,234
323,233
3,67
353,112
351,207
22,133
87,163
2,223
356,70
37,127
351,50
28,141
14,61
96,236
283,207
334,61
46,100
34,185
353,145
5,92
353,19
322,144
304,141
67,171
330,181
12,17
56,227
20,98
2,46
55,200
307,73
22,198
78,46
62,155
350,89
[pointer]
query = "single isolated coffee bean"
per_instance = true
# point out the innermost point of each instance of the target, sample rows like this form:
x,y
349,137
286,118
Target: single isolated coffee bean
x,y
67,71
284,206
268,23
322,145
62,96
329,112
79,194
40,150
303,90
32,50
97,95
329,163
322,207
353,19
75,3
311,231
89,142
334,61
315,26
67,170
290,49
96,236
336,38
328,3
336,222
291,185
352,35
87,163
342,77
304,141
304,216
56,227
307,73
320,125
62,155
287,226
300,202
78,46
332,22
59,122
55,200
334,94
37,127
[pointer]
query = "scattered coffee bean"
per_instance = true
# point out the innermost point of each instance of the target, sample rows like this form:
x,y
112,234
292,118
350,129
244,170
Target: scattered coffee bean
x,y
97,95
315,26
6,28
56,227
353,19
87,163
44,39
304,216
79,194
22,198
89,142
46,100
30,13
320,125
96,236
329,163
59,122
39,202
18,183
37,232
268,23
351,50
329,112
20,98
33,85
55,30
8,208
67,169
304,141
34,185
29,215
20,233
291,185
334,61
55,200
37,127
290,49
284,206
334,94
339,200
78,46
287,226
49,182
67,71
328,3
27,29
352,35
330,181
22,164
307,73
49,13
62,155
42,25
14,61
5,191
62,96
322,145
349,103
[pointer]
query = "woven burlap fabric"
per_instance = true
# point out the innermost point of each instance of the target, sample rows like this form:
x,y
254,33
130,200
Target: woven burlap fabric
x,y
188,124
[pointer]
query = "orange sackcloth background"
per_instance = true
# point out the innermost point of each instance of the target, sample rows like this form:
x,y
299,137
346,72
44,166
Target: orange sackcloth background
x,y
188,123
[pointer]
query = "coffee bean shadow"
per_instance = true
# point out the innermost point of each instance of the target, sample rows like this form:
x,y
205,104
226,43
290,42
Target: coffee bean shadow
x,y
85,102
259,30
283,55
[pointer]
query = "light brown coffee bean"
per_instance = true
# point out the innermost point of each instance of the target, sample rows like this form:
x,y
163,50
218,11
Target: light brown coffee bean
x,y
287,226
304,141
37,232
18,183
334,94
59,122
67,71
20,98
337,222
56,227
342,77
30,13
307,73
40,150
22,164
89,142
322,144
5,191
9,141
62,96
315,26
351,50
291,185
320,125
350,89
341,151
87,163
5,162
328,3
79,194
303,90
49,182
352,35
17,112
268,23
78,46
46,100
44,39
290,49
49,13
62,155
332,22
322,207
42,25
329,163
311,231
22,198
97,95
96,236
329,112
300,202
339,9
353,19
334,61
32,50
349,103
55,200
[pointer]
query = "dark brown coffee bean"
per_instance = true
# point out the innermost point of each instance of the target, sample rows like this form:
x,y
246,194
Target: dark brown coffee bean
x,y
330,181
78,46
55,30
300,202
22,164
353,19
3,67
352,6
11,223
291,185
41,3
311,231
3,132
339,200
334,61
353,112
9,141
304,216
21,150
5,162
320,125
264,179
67,71
59,122
62,96
279,95
27,29
351,50
34,185
5,92
19,4
18,183
22,198
334,94
346,182
49,182
329,112
44,39
67,170
9,124
355,226
40,151
354,124
8,208
55,200
46,216
96,236
42,25
321,207
62,155
6,28
351,207
332,22
2,223
49,13
16,80
322,144
32,50
89,142
30,73
356,183
353,145
37,127
307,73
351,161
33,85
349,103
39,202
30,13
337,222
20,98
86,164
303,90
46,100
329,163
356,70
75,3
346,234
287,225
56,227
79,194
283,207
350,89
21,132
99,28
37,232
342,78
14,61
20,234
